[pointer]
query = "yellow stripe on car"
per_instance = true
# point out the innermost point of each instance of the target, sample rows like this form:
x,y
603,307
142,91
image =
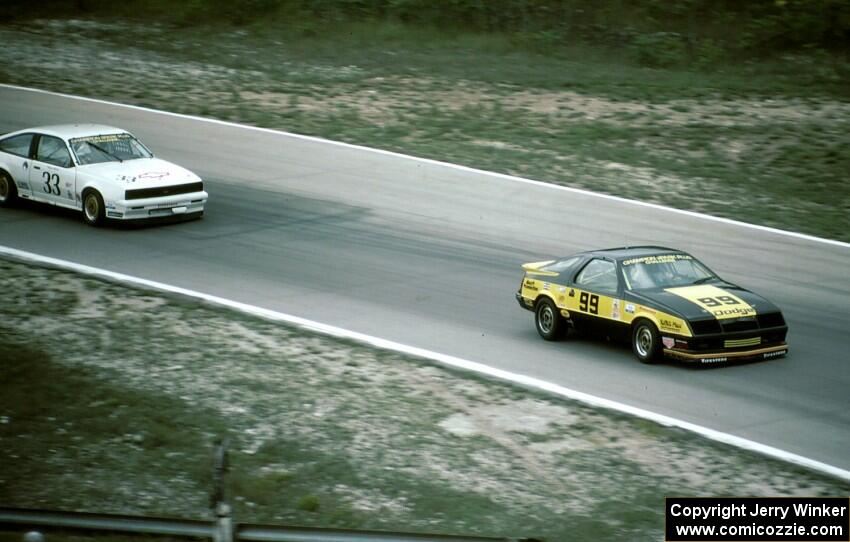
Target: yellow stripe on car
x,y
721,303
734,343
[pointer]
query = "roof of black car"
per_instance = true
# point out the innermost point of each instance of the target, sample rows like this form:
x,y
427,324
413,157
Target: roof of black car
x,y
622,253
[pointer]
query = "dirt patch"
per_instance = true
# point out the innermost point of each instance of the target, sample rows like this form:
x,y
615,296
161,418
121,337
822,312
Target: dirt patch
x,y
370,437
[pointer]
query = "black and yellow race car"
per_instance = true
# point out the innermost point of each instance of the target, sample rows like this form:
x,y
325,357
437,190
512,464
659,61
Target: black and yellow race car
x,y
664,301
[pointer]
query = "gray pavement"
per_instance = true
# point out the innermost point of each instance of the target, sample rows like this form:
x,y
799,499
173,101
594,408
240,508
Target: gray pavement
x,y
429,256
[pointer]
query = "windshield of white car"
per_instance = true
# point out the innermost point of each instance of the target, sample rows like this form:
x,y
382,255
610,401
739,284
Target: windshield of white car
x,y
665,271
108,148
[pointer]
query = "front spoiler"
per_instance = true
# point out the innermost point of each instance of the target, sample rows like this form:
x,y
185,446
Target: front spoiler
x,y
723,357
185,205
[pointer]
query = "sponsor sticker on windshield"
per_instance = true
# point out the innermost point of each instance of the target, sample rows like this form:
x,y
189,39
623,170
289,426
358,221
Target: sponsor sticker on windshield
x,y
658,258
105,138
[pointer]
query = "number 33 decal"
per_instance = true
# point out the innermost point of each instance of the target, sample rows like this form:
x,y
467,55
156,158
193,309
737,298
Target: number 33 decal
x,y
51,183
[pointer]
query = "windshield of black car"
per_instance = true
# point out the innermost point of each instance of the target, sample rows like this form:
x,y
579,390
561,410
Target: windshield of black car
x,y
108,148
665,271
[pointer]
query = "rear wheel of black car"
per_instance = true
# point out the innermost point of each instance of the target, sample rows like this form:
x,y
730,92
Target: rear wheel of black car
x,y
646,342
548,321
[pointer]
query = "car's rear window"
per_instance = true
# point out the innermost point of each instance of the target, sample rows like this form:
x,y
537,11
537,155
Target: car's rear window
x,y
561,265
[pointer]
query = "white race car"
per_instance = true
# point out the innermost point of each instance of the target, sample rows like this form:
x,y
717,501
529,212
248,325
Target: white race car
x,y
102,171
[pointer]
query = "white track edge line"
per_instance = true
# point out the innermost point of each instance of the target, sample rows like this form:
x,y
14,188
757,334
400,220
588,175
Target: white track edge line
x,y
431,161
451,361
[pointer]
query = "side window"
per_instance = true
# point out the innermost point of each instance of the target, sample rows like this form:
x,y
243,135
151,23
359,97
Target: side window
x,y
598,275
53,151
19,145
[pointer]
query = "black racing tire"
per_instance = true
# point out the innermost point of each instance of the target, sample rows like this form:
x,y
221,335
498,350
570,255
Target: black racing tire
x,y
8,190
646,342
94,212
548,320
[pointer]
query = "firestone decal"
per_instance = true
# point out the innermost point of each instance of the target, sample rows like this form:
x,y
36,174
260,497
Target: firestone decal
x,y
775,354
713,360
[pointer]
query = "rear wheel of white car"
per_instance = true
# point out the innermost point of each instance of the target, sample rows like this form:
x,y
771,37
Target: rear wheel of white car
x,y
93,210
646,343
548,321
8,190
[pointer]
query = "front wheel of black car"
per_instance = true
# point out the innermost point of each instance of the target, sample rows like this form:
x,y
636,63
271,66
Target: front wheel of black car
x,y
548,321
646,343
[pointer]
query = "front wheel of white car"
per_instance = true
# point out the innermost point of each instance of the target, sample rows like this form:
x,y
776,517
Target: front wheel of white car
x,y
93,210
8,190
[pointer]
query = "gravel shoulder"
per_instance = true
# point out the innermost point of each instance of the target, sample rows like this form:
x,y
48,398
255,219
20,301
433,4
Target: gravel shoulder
x,y
112,399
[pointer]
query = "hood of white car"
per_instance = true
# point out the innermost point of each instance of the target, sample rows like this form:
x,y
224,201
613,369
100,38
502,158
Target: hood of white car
x,y
141,173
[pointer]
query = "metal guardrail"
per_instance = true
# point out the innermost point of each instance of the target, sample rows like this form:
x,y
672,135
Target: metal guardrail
x,y
47,520
17,518
220,529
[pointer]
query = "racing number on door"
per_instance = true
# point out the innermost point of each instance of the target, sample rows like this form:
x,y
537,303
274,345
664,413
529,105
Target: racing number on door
x,y
51,183
589,303
718,301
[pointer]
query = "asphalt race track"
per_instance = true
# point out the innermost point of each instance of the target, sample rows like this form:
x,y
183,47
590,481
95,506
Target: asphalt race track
x,y
428,255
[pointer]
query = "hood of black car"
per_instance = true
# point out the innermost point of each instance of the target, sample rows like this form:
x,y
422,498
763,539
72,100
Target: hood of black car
x,y
698,302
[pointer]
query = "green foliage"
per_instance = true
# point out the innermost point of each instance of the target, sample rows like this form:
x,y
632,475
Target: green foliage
x,y
659,49
308,503
658,32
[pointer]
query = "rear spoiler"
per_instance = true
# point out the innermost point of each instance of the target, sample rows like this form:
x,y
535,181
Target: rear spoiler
x,y
534,267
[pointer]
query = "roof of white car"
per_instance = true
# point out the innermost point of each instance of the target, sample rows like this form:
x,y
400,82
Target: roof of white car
x,y
68,131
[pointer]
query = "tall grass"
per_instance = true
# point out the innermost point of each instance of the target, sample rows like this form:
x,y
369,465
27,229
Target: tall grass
x,y
654,32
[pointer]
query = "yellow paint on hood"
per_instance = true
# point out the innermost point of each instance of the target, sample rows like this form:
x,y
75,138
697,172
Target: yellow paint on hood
x,y
719,302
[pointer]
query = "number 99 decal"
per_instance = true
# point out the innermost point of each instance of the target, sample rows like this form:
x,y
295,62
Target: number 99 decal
x,y
589,303
718,301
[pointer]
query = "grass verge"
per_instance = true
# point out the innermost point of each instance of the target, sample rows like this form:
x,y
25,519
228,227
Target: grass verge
x,y
112,398
764,141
